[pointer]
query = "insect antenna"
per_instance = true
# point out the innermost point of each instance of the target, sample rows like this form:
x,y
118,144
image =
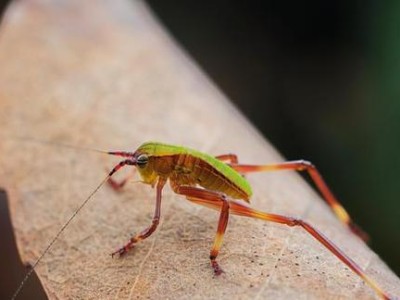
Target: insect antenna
x,y
55,144
29,273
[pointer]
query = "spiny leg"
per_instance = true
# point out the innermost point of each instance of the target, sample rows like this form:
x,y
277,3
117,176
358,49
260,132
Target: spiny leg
x,y
302,165
149,230
197,194
242,210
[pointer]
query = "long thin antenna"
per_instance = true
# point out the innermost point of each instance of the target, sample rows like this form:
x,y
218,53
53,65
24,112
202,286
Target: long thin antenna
x,y
38,141
56,237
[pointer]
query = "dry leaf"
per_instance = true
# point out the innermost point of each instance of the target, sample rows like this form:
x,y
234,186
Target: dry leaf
x,y
104,74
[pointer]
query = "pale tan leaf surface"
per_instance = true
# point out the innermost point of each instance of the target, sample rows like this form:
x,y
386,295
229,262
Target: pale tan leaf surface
x,y
104,74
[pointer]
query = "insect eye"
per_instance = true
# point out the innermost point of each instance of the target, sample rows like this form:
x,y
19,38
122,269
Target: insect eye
x,y
142,160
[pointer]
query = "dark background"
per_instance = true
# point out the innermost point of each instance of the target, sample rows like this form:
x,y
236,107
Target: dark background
x,y
320,79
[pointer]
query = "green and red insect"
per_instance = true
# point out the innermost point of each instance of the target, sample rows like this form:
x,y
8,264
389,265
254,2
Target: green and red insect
x,y
217,183
209,181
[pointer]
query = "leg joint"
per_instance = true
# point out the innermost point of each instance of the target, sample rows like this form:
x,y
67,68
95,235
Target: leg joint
x,y
224,197
295,222
305,164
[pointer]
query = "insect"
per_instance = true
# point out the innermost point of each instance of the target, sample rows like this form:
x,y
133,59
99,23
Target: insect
x,y
217,183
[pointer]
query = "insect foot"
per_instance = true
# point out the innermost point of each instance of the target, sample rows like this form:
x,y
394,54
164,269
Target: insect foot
x,y
217,269
122,251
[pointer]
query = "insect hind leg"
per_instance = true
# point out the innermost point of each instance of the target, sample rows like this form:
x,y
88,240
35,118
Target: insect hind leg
x,y
327,195
202,196
245,211
229,157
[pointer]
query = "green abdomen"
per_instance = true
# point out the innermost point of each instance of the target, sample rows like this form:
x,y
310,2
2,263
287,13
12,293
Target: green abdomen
x,y
212,174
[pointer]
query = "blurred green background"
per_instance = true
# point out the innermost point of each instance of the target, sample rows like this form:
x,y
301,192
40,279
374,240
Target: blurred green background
x,y
320,79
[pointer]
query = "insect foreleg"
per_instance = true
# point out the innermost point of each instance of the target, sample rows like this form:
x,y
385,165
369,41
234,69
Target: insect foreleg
x,y
302,165
149,230
118,185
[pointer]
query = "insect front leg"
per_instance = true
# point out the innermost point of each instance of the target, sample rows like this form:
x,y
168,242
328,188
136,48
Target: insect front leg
x,y
149,230
118,185
328,196
200,195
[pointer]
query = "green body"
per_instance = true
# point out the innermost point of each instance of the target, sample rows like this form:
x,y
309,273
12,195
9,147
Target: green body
x,y
188,166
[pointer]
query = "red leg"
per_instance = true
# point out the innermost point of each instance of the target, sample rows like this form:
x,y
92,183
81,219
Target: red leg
x,y
118,185
242,210
230,158
223,207
149,230
302,165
